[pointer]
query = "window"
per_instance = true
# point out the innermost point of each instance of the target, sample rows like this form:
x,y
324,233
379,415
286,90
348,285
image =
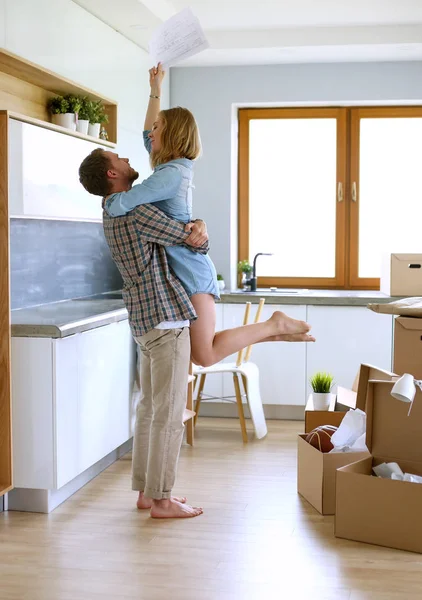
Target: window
x,y
328,191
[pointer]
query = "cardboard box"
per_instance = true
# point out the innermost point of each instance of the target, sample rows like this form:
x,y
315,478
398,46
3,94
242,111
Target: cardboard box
x,y
316,471
316,474
408,346
345,400
335,413
401,275
382,511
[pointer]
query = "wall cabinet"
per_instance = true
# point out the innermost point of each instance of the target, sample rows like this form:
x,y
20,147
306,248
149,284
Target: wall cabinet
x,y
43,174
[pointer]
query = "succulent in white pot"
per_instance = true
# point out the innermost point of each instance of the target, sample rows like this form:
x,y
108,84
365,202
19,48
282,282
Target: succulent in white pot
x,y
220,281
322,384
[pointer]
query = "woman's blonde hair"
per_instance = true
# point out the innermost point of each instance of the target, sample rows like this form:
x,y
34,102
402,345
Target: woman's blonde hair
x,y
179,137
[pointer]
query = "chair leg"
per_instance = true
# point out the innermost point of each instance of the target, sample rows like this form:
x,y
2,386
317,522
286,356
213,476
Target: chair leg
x,y
189,425
245,384
240,408
198,397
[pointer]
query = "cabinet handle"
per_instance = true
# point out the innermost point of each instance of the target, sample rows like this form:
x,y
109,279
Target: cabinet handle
x,y
339,192
354,191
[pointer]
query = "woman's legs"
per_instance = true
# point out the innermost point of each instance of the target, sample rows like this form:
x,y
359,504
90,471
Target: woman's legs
x,y
209,347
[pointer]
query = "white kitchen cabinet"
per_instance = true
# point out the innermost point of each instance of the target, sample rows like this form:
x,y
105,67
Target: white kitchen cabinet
x,y
72,402
281,365
43,174
346,337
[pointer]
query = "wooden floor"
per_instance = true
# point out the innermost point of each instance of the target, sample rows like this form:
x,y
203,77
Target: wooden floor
x,y
256,540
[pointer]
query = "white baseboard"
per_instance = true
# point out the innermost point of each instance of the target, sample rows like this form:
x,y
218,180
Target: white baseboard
x,y
45,501
272,411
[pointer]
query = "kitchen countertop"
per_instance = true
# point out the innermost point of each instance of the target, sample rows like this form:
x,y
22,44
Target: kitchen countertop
x,y
61,319
305,296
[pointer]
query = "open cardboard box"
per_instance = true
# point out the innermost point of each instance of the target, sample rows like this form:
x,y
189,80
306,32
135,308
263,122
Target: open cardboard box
x,y
316,471
382,511
408,346
345,400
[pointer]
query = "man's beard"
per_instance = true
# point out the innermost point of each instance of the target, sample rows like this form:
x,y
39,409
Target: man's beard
x,y
133,175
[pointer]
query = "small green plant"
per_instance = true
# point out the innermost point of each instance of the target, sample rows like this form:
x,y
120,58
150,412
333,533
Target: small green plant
x,y
85,112
243,266
74,103
321,382
98,114
58,105
220,277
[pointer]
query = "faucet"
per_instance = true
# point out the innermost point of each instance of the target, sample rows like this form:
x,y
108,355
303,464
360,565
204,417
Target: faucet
x,y
252,280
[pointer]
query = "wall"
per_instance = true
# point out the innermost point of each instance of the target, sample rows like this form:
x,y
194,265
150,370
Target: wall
x,y
57,260
212,93
63,37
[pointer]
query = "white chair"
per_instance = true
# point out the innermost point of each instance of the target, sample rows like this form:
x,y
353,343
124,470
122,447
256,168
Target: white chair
x,y
249,374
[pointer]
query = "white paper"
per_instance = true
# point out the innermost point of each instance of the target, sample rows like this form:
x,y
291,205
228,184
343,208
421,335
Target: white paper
x,y
177,38
386,470
393,471
350,436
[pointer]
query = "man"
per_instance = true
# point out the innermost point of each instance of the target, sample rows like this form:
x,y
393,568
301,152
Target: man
x,y
159,315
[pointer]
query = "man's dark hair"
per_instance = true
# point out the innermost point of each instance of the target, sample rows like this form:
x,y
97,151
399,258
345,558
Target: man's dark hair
x,y
93,173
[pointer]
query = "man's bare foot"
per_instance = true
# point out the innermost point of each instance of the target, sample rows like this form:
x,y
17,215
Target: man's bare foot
x,y
291,337
172,509
284,325
143,502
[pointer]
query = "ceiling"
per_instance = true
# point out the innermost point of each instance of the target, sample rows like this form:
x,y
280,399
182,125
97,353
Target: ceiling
x,y
244,32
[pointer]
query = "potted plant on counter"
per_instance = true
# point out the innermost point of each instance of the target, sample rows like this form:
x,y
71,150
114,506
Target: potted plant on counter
x,y
221,282
244,269
97,117
321,384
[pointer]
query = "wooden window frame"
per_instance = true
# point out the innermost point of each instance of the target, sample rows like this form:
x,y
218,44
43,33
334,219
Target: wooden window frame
x,y
245,116
356,115
347,210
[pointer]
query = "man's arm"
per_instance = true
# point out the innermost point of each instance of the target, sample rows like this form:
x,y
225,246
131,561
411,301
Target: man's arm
x,y
161,185
155,226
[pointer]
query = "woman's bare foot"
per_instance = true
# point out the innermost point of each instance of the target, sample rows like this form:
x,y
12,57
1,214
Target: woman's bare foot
x,y
172,509
291,337
143,502
282,324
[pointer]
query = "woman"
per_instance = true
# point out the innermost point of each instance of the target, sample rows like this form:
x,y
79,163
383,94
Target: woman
x,y
172,139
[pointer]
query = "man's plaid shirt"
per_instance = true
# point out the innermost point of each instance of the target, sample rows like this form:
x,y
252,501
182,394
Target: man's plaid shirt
x,y
151,293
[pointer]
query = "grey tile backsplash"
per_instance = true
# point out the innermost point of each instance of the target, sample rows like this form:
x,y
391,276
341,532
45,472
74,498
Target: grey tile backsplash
x,y
53,260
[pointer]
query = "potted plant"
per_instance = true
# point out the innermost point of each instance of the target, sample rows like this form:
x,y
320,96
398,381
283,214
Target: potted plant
x,y
75,103
244,269
97,118
321,384
84,115
60,111
221,283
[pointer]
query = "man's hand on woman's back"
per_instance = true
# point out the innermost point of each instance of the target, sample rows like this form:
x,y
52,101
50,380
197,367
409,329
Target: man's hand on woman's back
x,y
198,233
